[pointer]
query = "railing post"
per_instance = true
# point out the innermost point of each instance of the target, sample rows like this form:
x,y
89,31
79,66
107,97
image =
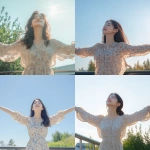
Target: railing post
x,y
80,144
93,146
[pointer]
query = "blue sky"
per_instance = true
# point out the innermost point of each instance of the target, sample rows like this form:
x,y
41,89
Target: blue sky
x,y
91,93
17,94
134,16
60,15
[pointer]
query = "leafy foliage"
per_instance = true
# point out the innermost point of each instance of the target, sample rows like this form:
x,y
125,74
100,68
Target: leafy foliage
x,y
138,66
9,33
62,140
91,66
137,140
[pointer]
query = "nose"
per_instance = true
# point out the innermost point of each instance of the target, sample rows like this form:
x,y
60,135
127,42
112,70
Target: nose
x,y
108,99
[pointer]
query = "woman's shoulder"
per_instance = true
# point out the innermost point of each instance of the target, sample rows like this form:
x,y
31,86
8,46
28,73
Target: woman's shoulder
x,y
98,45
122,43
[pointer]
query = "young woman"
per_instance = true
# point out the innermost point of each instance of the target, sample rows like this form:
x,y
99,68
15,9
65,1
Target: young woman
x,y
112,127
38,123
37,50
110,55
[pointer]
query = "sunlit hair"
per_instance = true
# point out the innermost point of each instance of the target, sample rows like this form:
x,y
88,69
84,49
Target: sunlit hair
x,y
119,36
29,32
44,115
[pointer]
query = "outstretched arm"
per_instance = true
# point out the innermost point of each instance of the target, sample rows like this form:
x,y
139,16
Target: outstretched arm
x,y
142,115
16,116
10,52
7,110
59,116
84,116
129,50
63,51
87,51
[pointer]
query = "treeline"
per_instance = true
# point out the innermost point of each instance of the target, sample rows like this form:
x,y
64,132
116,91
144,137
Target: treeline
x,y
137,66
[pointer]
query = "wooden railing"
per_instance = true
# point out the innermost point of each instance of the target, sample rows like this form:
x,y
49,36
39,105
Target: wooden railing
x,y
145,72
23,148
89,140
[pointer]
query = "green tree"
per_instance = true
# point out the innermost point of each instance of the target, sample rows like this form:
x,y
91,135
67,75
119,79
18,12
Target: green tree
x,y
9,33
138,66
62,140
137,140
65,135
56,136
146,64
91,66
2,143
81,69
11,142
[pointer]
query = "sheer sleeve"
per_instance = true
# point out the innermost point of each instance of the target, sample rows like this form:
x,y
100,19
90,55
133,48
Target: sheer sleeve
x,y
63,51
87,51
129,50
59,116
10,52
20,118
142,115
84,116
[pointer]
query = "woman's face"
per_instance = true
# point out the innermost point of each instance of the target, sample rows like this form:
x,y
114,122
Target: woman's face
x,y
112,101
38,20
37,105
108,28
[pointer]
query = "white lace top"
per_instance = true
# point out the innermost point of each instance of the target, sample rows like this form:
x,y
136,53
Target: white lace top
x,y
111,60
38,59
38,132
112,130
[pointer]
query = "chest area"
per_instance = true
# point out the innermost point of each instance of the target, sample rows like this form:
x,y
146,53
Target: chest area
x,y
103,52
38,53
36,128
112,126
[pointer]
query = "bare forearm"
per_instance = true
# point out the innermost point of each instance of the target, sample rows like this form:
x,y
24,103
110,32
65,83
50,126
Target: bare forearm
x,y
7,110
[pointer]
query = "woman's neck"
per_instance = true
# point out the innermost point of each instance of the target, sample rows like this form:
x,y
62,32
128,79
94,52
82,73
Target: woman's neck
x,y
37,115
38,34
112,111
110,40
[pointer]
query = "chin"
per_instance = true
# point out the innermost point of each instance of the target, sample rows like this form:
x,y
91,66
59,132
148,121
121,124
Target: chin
x,y
39,25
108,104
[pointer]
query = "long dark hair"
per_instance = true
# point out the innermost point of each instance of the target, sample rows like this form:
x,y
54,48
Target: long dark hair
x,y
119,108
29,32
120,35
44,115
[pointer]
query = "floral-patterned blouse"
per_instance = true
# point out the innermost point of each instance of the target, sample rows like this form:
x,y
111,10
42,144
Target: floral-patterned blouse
x,y
111,60
38,59
38,132
112,130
